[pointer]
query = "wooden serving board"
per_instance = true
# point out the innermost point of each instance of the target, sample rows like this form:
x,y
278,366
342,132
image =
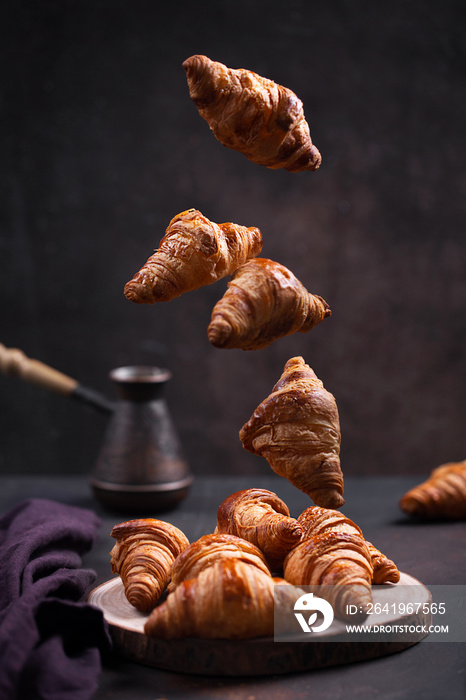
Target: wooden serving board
x,y
261,656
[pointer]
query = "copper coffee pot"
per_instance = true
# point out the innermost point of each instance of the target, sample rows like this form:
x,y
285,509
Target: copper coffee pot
x,y
140,466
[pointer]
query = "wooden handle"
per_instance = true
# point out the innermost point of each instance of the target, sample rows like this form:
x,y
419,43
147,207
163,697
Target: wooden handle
x,y
14,363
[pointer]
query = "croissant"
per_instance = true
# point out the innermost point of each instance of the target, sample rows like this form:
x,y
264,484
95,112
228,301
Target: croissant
x,y
193,252
441,496
317,521
261,517
297,429
209,549
143,555
253,115
264,301
228,600
384,569
340,565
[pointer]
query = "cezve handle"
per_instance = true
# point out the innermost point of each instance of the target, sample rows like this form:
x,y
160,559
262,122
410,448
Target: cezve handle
x,y
14,363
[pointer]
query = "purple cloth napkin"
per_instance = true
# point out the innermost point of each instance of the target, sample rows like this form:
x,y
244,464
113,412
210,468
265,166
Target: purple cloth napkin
x,y
50,642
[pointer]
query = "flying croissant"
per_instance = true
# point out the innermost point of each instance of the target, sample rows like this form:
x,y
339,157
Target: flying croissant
x,y
253,115
297,429
264,301
194,252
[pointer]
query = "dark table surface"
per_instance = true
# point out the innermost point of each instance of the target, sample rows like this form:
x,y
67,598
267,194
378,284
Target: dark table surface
x,y
435,554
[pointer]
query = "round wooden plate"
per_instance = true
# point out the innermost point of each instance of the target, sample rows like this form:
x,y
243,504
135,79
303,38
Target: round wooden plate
x,y
261,656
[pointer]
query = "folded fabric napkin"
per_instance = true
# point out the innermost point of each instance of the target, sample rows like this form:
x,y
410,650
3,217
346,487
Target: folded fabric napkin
x,y
50,641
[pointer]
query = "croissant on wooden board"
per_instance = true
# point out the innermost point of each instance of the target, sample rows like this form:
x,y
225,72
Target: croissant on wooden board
x,y
193,252
261,517
253,115
228,600
143,556
441,496
264,301
297,429
209,549
317,521
384,570
340,565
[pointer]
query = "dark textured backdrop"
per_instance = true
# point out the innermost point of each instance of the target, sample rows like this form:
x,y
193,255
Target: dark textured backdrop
x,y
102,146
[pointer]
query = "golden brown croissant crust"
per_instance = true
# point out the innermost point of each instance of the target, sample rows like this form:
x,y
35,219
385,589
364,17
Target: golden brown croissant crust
x,y
264,301
384,569
251,114
228,600
340,563
297,429
194,252
317,521
441,496
143,556
209,549
261,517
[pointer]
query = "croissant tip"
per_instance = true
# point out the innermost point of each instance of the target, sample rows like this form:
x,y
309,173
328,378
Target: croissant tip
x,y
139,291
393,577
411,506
316,158
144,607
131,294
295,533
310,160
219,332
191,62
332,500
187,63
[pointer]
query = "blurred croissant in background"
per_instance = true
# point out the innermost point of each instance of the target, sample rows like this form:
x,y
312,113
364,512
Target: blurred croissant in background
x,y
264,301
442,496
297,429
193,252
253,115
